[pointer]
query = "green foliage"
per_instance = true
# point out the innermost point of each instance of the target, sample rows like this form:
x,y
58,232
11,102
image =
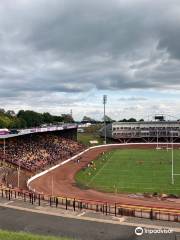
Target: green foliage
x,y
133,171
87,119
90,133
26,119
67,118
129,120
107,119
47,117
32,119
6,235
132,120
93,129
85,138
8,121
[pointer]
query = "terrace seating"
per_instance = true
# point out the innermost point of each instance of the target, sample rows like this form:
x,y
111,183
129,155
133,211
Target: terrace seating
x,y
37,152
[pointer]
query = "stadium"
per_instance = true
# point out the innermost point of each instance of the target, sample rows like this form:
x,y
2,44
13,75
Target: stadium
x,y
121,179
89,120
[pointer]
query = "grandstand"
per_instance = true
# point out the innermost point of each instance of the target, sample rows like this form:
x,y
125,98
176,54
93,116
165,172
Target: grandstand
x,y
148,131
33,150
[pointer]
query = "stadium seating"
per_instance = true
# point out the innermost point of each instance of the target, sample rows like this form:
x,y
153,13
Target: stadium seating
x,y
37,152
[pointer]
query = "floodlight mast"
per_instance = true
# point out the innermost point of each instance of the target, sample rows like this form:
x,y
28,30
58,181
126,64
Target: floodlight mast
x,y
104,102
4,150
4,158
172,160
157,138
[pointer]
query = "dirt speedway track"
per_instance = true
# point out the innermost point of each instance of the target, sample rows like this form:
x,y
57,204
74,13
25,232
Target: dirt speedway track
x,y
64,182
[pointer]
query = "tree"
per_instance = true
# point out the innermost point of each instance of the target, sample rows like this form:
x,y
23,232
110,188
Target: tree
x,y
2,110
32,119
108,119
124,120
128,120
67,118
2,123
47,118
11,113
88,120
29,118
18,123
132,120
58,119
5,121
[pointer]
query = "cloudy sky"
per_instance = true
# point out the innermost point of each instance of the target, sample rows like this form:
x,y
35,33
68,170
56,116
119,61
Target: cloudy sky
x,y
60,55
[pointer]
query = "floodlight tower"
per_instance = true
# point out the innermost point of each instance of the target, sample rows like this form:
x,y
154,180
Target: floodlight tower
x,y
104,102
4,151
157,139
4,158
172,160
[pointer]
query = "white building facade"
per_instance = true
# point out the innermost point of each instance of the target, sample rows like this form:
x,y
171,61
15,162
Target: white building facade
x,y
151,131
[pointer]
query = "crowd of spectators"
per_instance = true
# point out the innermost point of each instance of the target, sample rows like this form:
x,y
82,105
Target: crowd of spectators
x,y
37,152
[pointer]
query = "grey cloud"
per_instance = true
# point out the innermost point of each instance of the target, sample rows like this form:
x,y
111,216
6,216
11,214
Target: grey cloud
x,y
68,46
133,99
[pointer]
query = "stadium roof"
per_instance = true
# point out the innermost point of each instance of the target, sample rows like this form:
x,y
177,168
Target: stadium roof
x,y
38,130
149,122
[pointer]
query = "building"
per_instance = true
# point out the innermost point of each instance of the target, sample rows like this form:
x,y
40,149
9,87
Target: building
x,y
149,131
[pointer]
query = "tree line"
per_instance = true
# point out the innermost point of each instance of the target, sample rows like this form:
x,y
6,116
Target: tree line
x,y
109,120
28,118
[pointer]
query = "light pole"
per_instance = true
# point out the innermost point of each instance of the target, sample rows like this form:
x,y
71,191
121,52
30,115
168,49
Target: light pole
x,y
52,185
19,168
157,139
4,150
167,139
4,160
104,102
172,160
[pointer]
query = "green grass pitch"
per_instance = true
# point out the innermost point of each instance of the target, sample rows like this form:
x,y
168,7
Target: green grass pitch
x,y
133,171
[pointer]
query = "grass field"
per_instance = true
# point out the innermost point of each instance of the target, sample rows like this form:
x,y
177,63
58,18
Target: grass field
x,y
132,171
85,138
6,235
